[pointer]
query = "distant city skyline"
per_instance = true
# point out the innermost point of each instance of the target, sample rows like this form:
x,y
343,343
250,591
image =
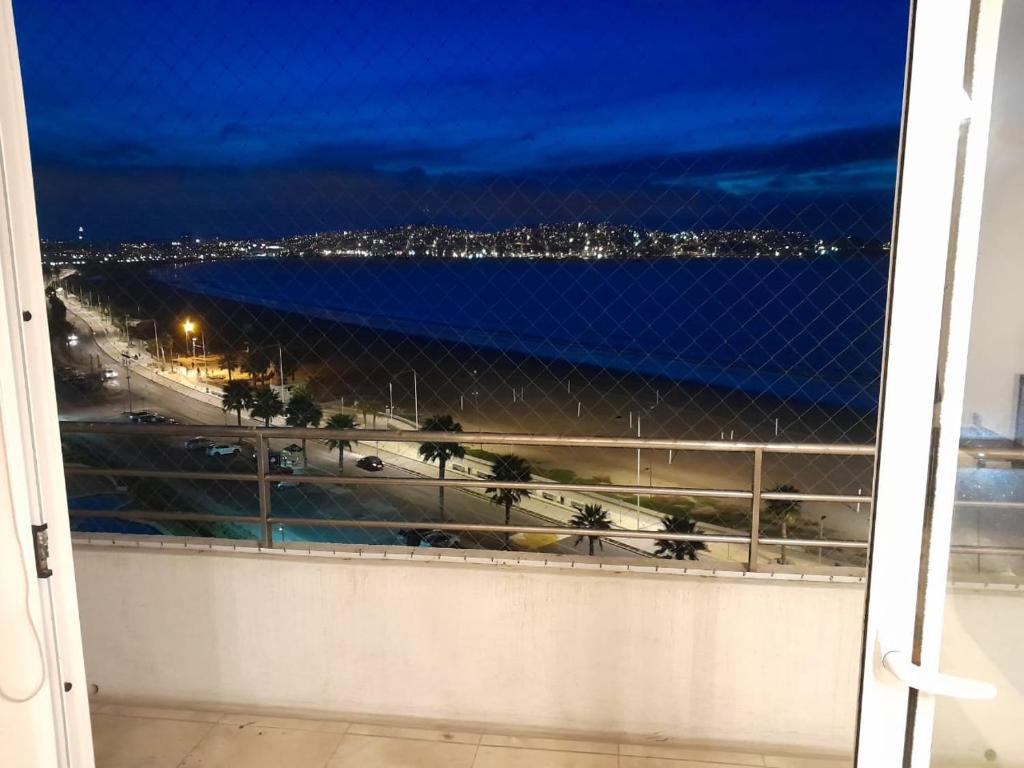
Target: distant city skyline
x,y
267,120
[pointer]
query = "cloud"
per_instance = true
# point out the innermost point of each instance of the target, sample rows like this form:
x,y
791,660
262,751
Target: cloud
x,y
835,183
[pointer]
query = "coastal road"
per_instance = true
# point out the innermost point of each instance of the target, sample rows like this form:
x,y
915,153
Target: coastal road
x,y
228,497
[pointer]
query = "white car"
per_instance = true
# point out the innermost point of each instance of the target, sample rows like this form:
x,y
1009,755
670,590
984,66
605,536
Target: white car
x,y
109,373
222,449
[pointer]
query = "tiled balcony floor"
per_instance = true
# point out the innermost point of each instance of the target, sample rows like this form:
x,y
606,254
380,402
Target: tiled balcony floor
x,y
150,737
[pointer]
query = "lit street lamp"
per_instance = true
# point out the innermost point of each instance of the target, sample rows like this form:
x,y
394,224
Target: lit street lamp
x,y
189,327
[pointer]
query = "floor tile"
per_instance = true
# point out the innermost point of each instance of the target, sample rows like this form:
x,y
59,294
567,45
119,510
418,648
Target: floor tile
x,y
295,723
664,762
563,745
507,757
163,713
696,754
233,746
423,734
782,761
135,742
357,751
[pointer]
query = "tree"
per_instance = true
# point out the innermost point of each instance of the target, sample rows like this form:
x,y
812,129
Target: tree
x,y
441,452
302,411
266,404
255,363
782,513
370,407
675,549
340,421
230,360
509,468
237,396
594,517
57,317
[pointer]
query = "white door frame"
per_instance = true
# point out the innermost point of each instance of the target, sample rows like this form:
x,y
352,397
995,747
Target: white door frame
x,y
32,453
947,106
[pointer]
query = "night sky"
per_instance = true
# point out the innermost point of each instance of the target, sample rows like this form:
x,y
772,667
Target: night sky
x,y
266,118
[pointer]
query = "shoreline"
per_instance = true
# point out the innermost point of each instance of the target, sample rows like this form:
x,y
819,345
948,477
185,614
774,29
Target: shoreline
x,y
775,361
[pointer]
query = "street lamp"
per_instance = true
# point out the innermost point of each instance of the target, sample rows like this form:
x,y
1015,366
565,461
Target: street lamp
x,y
189,327
415,396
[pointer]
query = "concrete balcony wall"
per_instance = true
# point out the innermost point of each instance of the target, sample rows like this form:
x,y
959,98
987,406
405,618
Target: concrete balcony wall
x,y
725,659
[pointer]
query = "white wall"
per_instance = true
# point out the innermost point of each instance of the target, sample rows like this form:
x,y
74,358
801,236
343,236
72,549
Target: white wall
x,y
726,658
997,334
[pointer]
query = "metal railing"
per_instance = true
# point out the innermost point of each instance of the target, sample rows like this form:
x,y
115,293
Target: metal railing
x,y
264,477
755,495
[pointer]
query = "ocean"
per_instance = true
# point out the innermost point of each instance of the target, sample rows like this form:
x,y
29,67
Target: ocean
x,y
807,329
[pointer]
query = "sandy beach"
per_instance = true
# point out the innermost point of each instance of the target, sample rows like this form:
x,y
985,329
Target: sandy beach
x,y
494,391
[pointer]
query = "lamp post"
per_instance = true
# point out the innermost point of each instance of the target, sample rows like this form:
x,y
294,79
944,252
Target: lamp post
x,y
415,396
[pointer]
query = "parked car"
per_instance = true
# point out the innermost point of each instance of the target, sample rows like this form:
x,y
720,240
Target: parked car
x,y
198,443
222,449
283,484
440,539
109,373
293,448
435,538
370,463
137,415
282,470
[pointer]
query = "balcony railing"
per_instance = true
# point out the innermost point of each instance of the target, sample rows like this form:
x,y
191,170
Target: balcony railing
x,y
264,477
754,495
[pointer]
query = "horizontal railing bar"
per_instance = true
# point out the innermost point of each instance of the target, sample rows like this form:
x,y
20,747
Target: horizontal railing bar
x,y
826,543
320,522
467,438
184,517
826,497
990,504
430,482
166,474
995,454
433,482
975,549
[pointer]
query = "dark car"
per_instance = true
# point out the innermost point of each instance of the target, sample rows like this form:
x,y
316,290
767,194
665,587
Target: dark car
x,y
370,463
155,418
435,538
138,415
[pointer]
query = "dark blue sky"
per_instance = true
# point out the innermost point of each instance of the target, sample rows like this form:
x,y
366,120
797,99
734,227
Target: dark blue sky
x,y
266,117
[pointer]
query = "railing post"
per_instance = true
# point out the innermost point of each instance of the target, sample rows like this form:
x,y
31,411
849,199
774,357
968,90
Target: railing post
x,y
262,468
755,509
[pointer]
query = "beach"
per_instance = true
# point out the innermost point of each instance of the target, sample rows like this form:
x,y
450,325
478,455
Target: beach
x,y
367,369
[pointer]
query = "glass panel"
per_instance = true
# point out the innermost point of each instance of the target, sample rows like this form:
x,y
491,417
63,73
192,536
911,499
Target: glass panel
x,y
983,629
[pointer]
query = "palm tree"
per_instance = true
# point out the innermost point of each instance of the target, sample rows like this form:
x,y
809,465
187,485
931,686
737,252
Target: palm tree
x,y
230,360
594,517
340,421
676,549
266,404
237,396
255,364
441,452
784,513
302,411
509,468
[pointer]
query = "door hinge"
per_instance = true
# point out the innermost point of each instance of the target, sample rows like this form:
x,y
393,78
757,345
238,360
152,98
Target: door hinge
x,y
41,547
